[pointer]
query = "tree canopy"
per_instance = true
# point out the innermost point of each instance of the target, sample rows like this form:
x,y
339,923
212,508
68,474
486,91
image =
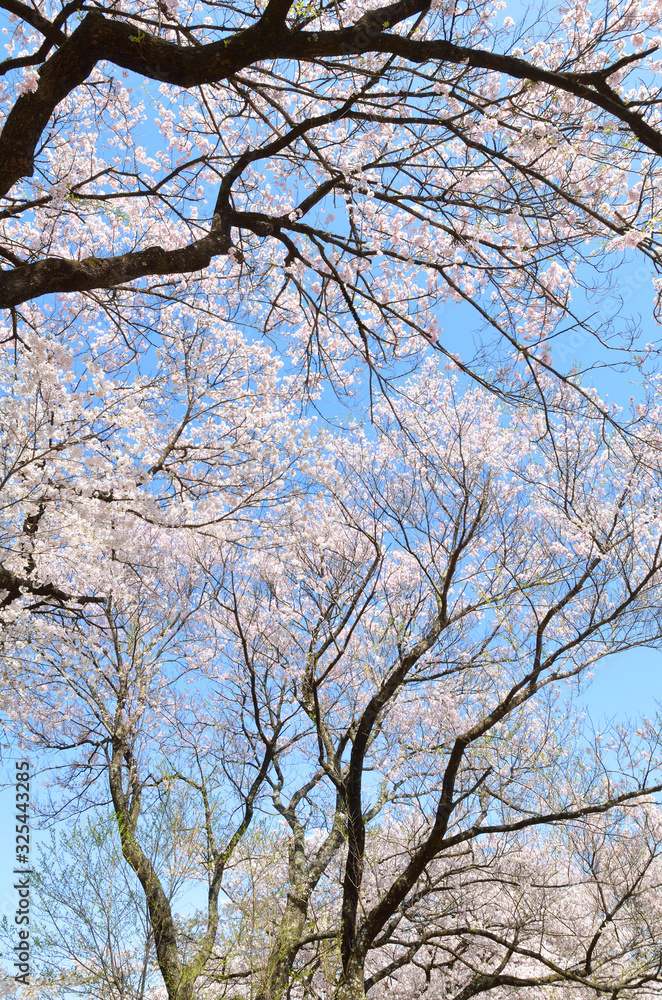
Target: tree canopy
x,y
348,704
330,173
298,586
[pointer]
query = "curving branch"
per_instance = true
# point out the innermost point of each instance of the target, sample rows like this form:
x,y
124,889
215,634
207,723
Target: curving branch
x,y
55,274
99,38
15,587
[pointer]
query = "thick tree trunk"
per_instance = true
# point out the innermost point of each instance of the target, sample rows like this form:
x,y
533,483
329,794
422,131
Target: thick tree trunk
x,y
185,990
284,949
304,876
352,984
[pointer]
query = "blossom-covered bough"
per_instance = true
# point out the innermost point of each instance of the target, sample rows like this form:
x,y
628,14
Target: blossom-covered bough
x,y
186,439
331,173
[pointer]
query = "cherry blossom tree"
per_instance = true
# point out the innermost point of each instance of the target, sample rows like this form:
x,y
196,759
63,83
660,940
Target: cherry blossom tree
x,y
330,173
99,440
358,718
337,664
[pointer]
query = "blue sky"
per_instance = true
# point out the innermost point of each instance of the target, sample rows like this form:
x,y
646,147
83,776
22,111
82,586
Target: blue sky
x,y
625,685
